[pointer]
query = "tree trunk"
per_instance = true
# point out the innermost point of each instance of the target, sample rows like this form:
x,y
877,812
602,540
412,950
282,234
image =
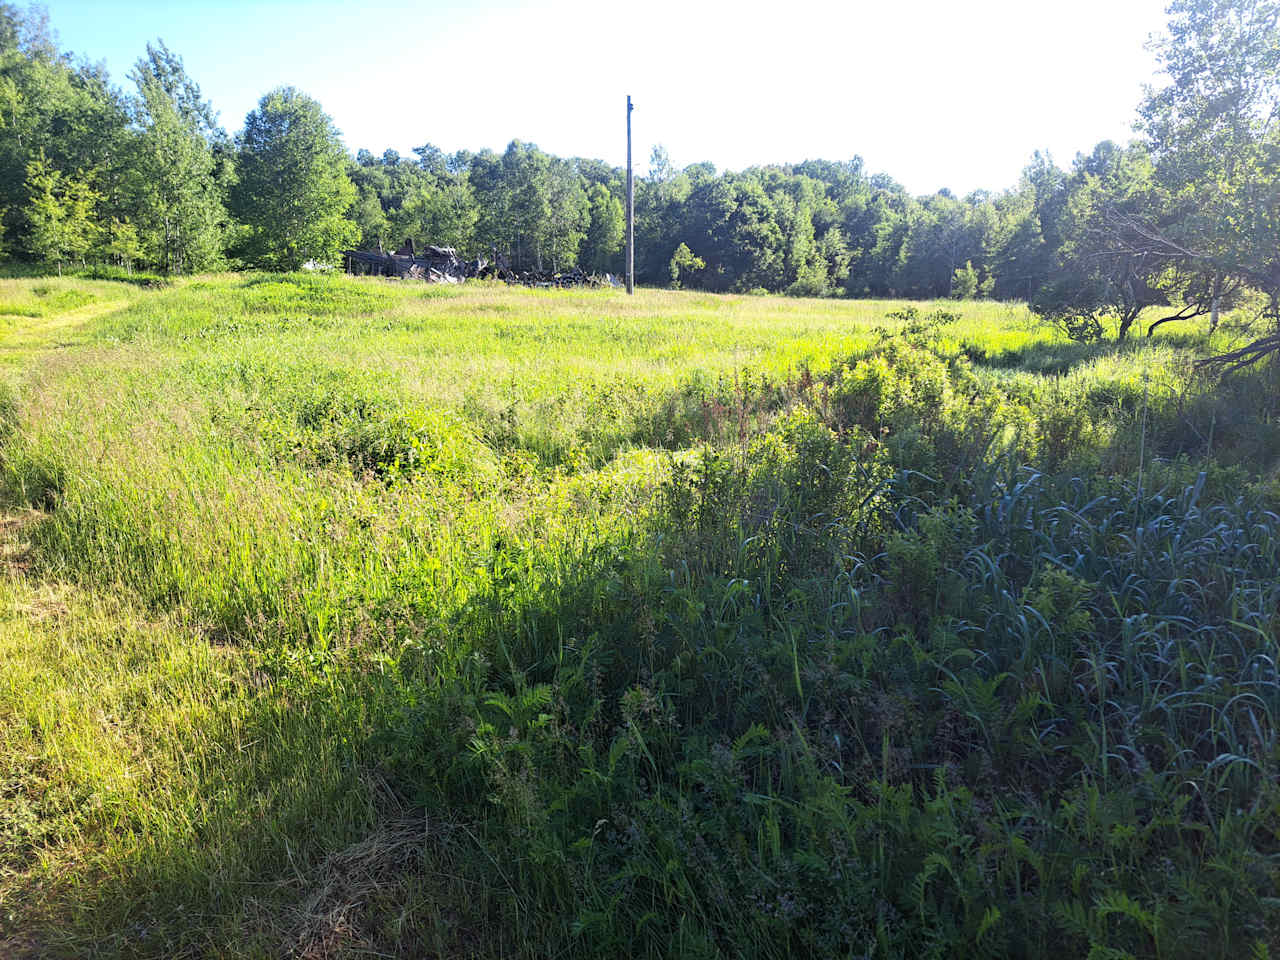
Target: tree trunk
x,y
1126,321
1217,302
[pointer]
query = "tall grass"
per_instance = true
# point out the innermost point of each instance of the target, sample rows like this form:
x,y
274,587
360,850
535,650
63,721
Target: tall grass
x,y
356,616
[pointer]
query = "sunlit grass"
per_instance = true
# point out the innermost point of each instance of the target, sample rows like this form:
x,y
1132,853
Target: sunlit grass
x,y
343,616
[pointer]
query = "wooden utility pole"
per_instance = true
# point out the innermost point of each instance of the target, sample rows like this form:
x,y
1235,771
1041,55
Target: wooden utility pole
x,y
631,211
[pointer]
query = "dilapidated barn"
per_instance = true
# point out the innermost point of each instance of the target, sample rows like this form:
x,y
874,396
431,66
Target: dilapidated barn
x,y
435,264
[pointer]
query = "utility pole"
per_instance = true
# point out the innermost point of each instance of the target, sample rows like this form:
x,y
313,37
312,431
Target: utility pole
x,y
631,211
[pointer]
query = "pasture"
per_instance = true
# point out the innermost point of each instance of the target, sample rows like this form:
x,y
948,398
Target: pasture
x,y
358,618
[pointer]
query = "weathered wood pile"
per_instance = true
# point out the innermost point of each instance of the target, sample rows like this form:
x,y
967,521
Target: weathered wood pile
x,y
442,265
433,264
577,277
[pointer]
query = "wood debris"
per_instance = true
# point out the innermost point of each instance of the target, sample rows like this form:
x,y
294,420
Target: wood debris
x,y
443,265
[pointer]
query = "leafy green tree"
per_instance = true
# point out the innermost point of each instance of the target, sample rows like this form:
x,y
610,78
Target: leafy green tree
x,y
1189,218
164,68
877,218
293,192
532,207
514,194
46,215
1026,238
371,220
662,215
1214,139
442,213
60,214
1106,273
836,255
80,225
605,231
964,282
734,224
493,228
944,233
684,263
123,244
568,215
799,204
432,160
52,108
176,198
525,170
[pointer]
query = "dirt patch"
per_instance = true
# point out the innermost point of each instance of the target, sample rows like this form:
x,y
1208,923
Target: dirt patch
x,y
42,601
15,552
46,603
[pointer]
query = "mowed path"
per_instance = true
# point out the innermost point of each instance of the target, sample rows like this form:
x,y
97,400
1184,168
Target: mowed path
x,y
23,340
26,337
32,605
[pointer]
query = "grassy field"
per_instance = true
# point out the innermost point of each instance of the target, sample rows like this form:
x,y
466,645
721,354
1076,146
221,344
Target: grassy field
x,y
356,618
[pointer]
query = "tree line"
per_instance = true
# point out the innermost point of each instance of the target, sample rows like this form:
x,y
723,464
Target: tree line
x,y
1184,216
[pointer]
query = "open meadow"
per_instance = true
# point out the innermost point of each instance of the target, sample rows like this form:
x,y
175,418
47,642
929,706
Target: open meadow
x,y
348,618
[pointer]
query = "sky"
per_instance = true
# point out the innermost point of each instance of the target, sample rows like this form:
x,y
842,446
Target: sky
x,y
935,93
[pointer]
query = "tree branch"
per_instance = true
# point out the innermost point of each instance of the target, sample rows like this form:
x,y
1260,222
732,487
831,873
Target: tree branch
x,y
1246,356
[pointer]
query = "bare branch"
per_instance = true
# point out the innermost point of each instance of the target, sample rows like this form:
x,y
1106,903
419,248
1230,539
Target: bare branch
x,y
1246,356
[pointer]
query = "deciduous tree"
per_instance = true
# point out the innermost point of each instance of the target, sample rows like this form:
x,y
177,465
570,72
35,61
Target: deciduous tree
x,y
293,191
60,214
1213,130
176,198
605,231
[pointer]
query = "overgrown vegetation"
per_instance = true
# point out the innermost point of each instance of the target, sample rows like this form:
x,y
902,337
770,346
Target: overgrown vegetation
x,y
344,616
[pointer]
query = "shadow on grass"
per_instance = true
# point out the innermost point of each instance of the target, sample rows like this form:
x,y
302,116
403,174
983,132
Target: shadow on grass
x,y
267,833
1046,359
1061,357
20,270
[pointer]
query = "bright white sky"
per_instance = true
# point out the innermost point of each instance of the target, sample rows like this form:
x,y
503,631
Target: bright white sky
x,y
933,92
